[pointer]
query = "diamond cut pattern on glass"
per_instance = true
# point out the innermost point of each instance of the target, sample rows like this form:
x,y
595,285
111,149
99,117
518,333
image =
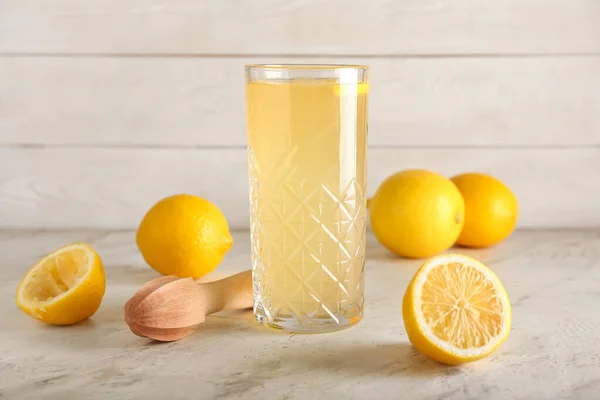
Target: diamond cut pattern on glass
x,y
308,243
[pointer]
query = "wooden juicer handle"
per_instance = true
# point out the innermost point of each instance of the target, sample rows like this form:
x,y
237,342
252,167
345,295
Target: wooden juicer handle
x,y
170,308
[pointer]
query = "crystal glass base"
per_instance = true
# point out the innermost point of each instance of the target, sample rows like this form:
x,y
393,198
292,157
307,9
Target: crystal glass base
x,y
314,325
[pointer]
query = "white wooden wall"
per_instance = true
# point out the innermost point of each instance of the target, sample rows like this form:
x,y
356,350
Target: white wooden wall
x,y
108,105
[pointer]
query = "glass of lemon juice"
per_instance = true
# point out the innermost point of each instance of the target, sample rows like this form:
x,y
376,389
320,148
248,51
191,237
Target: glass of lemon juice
x,y
307,144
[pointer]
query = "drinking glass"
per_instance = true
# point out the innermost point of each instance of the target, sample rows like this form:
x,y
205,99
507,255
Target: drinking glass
x,y
307,144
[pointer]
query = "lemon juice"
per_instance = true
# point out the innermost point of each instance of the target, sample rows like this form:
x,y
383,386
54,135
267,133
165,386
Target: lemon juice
x,y
307,142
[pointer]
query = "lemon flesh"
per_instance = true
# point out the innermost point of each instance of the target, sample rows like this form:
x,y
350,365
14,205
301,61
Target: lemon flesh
x,y
456,310
65,287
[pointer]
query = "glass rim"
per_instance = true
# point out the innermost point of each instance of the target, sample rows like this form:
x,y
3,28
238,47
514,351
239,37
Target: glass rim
x,y
305,67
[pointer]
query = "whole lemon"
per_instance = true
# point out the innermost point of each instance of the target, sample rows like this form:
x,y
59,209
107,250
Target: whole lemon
x,y
491,210
417,213
184,235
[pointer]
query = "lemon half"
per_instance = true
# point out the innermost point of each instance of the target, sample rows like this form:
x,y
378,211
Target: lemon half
x,y
456,310
65,287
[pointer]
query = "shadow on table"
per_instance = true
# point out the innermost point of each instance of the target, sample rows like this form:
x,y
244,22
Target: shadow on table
x,y
237,321
365,359
130,275
376,252
107,330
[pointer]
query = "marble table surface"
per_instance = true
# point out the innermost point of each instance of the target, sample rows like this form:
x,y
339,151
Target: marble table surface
x,y
553,351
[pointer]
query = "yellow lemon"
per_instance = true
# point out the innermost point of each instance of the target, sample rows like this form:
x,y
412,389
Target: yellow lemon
x,y
417,213
64,287
491,210
184,235
455,310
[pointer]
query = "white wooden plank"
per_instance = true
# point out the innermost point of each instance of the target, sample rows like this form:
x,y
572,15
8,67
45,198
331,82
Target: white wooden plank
x,y
112,188
300,26
192,102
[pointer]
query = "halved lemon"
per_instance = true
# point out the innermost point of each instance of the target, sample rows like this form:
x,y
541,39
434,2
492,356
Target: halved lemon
x,y
456,310
64,287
